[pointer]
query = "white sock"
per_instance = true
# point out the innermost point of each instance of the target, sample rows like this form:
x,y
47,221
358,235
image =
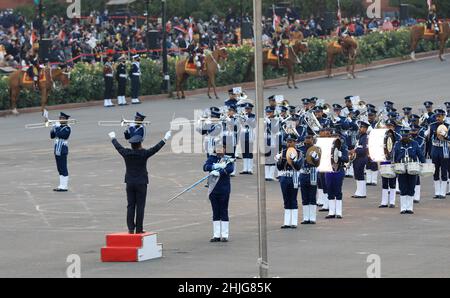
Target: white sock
x,y
392,195
375,177
216,229
339,207
312,212
437,188
287,217
294,217
306,214
384,197
417,193
332,207
224,227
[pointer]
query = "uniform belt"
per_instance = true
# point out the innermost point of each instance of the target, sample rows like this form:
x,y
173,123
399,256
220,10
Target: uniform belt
x,y
438,144
123,75
305,171
286,173
136,74
62,142
109,75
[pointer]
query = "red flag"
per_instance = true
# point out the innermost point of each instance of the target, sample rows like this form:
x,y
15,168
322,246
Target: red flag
x,y
276,19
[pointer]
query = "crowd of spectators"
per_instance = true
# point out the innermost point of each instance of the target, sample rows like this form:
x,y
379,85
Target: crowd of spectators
x,y
88,38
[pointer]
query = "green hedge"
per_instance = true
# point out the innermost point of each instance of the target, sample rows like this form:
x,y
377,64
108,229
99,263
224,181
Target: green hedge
x,y
87,80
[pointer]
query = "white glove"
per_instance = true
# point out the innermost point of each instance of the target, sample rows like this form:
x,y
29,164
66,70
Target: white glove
x,y
293,156
57,124
340,154
112,135
277,157
443,133
215,173
219,166
314,155
168,136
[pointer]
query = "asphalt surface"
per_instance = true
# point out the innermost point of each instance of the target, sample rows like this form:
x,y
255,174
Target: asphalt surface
x,y
39,228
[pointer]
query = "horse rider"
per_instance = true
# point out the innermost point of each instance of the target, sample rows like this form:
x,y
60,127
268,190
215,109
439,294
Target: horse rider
x,y
34,70
407,150
432,19
60,133
196,55
108,75
136,177
219,167
335,179
361,156
439,153
279,41
135,75
343,32
289,162
137,128
308,181
121,77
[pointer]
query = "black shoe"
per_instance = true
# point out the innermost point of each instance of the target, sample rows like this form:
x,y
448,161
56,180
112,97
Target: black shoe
x,y
293,227
359,197
339,216
141,232
224,240
323,210
319,205
330,216
403,212
60,190
448,193
409,212
285,227
306,222
391,206
436,197
215,240
130,232
383,206
416,202
244,173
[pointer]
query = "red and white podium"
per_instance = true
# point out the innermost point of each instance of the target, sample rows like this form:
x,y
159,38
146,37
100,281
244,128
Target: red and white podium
x,y
124,247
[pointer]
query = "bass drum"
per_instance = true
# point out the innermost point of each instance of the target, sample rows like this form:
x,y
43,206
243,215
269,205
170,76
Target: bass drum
x,y
381,144
329,158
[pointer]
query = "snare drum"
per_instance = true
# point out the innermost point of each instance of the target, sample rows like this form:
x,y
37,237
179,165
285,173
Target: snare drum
x,y
413,168
427,169
387,171
400,168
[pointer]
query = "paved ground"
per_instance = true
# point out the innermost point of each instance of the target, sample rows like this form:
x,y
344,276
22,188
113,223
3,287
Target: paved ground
x,y
39,229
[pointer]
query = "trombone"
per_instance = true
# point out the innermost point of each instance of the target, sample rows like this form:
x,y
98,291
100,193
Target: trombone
x,y
49,123
122,123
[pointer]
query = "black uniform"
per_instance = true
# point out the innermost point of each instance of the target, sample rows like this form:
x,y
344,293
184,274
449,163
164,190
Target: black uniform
x,y
136,178
121,77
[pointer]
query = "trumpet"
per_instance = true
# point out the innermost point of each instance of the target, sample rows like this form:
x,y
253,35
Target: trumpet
x,y
122,123
49,123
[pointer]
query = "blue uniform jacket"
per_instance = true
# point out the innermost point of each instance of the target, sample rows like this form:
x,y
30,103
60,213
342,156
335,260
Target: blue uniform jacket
x,y
439,148
61,134
134,130
411,149
224,183
361,147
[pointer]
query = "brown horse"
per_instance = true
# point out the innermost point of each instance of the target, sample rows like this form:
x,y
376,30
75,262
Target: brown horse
x,y
211,69
418,33
348,48
16,82
294,57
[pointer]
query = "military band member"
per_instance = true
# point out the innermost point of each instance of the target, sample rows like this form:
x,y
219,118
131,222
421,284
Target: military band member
x,y
136,177
233,94
372,167
60,133
361,156
322,191
429,118
324,122
415,136
308,181
389,184
407,150
335,180
439,153
271,129
348,106
211,130
137,128
447,121
407,112
121,77
230,131
108,75
220,168
135,75
248,125
289,162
